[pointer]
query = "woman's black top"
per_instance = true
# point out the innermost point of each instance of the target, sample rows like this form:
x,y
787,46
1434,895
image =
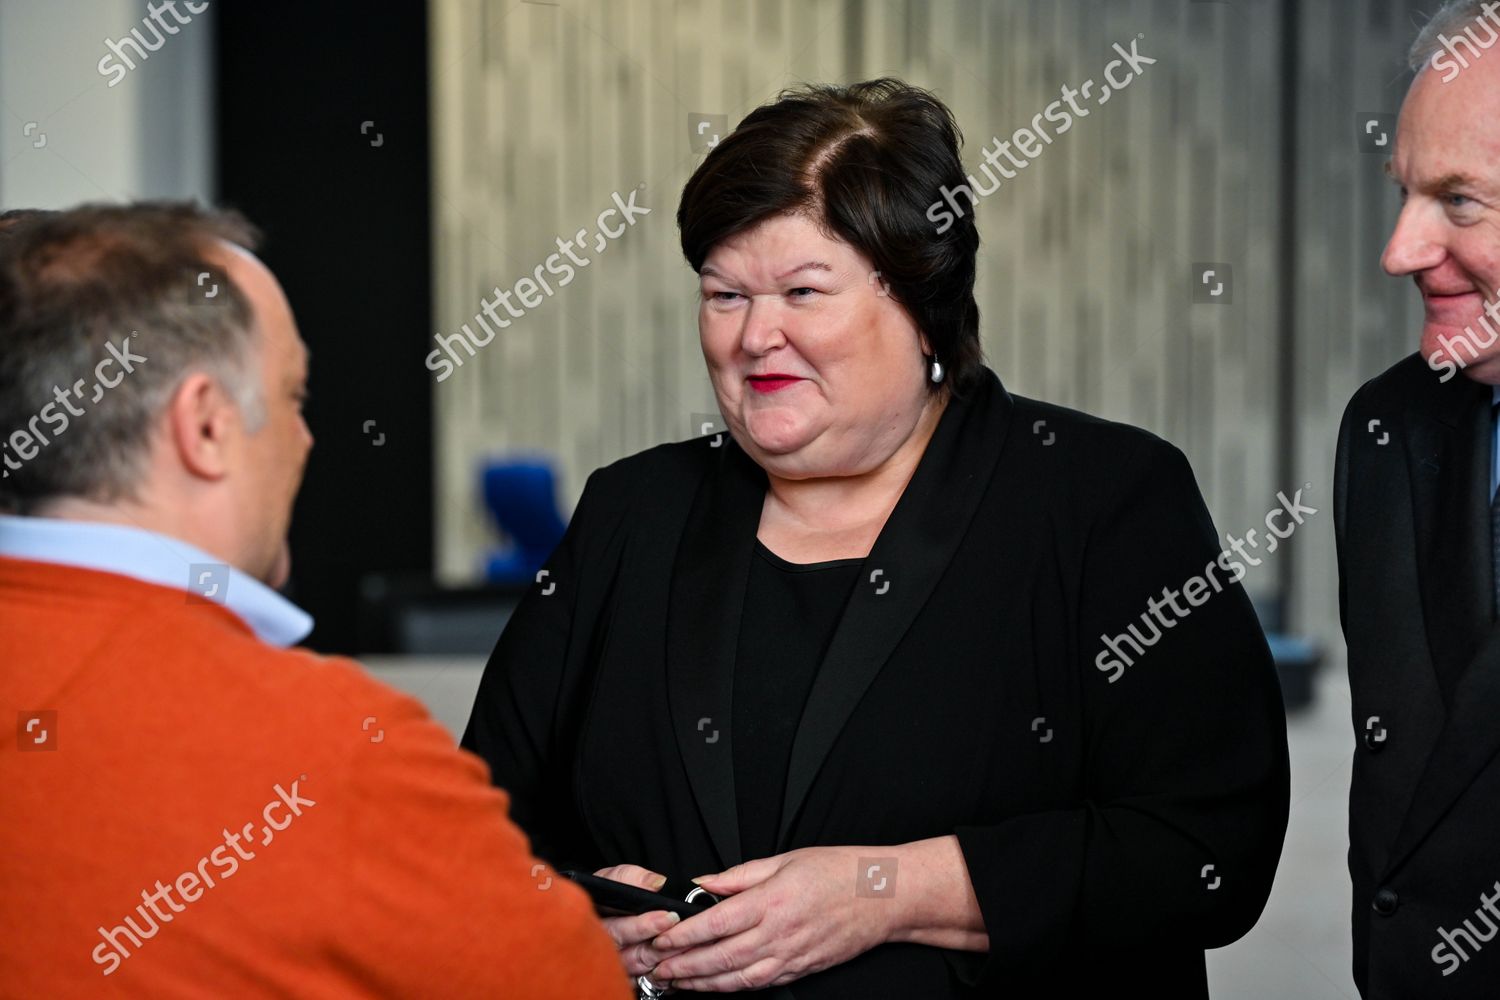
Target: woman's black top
x,y
790,612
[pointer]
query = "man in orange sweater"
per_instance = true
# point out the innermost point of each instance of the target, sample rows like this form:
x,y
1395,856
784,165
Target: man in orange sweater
x,y
188,807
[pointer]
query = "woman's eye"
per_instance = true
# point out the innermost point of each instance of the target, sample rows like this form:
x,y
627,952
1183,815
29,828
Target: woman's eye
x,y
723,296
797,292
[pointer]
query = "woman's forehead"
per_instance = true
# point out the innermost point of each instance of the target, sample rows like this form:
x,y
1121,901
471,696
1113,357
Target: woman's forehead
x,y
779,247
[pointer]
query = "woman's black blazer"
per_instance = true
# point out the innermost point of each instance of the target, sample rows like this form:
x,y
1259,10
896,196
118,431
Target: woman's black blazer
x,y
1112,829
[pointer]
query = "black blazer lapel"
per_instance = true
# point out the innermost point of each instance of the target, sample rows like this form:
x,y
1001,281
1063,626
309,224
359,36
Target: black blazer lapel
x,y
1448,455
1467,744
709,576
910,555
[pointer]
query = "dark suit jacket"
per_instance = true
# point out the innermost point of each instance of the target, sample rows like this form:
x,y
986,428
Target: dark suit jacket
x,y
1411,507
960,695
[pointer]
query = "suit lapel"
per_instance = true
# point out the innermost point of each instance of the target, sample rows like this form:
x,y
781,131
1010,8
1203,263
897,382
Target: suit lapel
x,y
1449,457
1468,742
709,576
914,548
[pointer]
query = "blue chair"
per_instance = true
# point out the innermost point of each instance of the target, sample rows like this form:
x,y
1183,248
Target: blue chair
x,y
521,495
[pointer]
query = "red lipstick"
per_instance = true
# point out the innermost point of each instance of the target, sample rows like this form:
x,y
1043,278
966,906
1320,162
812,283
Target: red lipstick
x,y
773,382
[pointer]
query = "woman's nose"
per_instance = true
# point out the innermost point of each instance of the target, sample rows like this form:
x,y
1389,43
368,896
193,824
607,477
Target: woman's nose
x,y
763,325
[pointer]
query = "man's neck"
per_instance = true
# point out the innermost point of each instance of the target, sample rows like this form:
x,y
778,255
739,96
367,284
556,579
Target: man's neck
x,y
134,514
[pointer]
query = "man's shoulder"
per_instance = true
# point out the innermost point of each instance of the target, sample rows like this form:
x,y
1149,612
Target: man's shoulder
x,y
326,711
334,695
246,684
1408,380
333,682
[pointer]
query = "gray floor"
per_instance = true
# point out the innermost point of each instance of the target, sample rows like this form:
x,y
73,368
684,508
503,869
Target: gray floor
x,y
1300,949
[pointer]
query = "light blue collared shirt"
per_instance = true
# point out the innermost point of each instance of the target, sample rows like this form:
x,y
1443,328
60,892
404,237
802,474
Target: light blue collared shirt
x,y
1495,459
159,559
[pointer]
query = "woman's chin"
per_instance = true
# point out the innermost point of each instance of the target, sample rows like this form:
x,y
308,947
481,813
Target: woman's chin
x,y
777,444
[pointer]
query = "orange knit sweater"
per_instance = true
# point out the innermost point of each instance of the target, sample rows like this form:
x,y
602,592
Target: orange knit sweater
x,y
187,812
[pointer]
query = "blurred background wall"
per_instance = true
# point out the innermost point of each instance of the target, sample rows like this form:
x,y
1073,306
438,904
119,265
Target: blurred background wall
x,y
262,108
69,136
1090,287
1348,320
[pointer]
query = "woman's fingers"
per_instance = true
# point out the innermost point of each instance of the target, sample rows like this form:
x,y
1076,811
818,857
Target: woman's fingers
x,y
644,927
733,916
743,876
633,936
757,976
629,933
633,875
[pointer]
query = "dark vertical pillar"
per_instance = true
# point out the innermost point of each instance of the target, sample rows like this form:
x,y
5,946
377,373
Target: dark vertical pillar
x,y
345,209
1290,280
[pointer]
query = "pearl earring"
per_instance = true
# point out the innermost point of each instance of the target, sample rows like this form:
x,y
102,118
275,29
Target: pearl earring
x,y
937,369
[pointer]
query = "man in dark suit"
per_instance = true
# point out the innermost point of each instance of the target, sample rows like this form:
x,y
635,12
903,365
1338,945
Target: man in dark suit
x,y
1419,551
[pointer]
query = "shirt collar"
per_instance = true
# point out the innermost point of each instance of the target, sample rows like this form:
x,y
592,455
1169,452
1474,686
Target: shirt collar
x,y
160,559
1495,453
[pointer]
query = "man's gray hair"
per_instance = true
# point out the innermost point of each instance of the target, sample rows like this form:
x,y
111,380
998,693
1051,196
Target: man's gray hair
x,y
1452,20
123,289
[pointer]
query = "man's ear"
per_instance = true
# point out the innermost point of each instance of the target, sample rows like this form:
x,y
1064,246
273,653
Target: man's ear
x,y
202,422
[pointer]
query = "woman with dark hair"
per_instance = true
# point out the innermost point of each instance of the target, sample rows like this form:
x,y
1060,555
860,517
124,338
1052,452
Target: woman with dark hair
x,y
873,662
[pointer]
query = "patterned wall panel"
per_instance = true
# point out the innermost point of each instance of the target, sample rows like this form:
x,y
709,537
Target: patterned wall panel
x,y
545,112
1352,320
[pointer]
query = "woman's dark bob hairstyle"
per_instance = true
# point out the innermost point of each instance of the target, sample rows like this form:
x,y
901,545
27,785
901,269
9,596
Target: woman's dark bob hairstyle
x,y
865,162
